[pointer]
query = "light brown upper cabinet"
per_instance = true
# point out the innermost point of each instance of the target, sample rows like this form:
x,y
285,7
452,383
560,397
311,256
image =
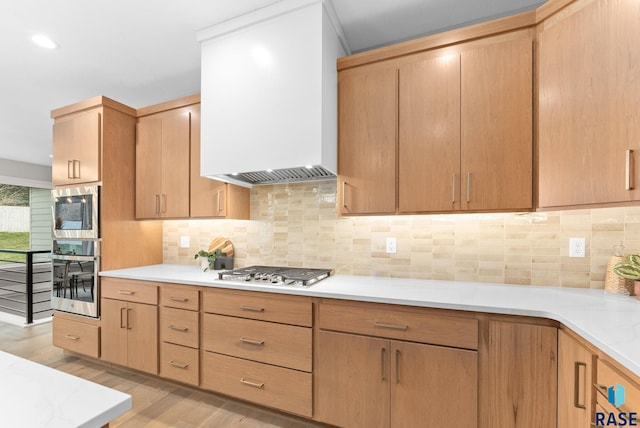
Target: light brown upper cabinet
x,y
162,164
429,135
453,126
589,117
168,181
77,142
367,106
211,198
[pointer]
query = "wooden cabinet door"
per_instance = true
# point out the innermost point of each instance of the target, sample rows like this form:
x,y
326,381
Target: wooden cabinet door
x,y
76,149
575,365
142,337
433,384
176,129
352,380
429,135
162,165
367,110
519,385
588,105
496,126
148,167
113,339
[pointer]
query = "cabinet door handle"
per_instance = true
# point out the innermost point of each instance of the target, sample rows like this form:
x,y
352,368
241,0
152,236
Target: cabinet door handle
x,y
70,337
252,341
576,383
126,292
69,169
391,326
177,328
254,384
383,352
76,169
468,187
178,365
129,325
219,193
156,206
122,324
251,309
344,196
397,366
163,203
453,190
629,183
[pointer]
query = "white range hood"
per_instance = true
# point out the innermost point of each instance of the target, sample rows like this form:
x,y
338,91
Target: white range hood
x,y
269,94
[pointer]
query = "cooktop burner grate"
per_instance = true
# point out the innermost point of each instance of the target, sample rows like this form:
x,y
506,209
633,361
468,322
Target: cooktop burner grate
x,y
276,275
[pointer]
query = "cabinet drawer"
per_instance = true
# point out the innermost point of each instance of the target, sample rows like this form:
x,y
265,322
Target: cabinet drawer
x,y
607,377
76,336
180,363
277,344
284,389
283,309
180,297
179,326
130,291
378,320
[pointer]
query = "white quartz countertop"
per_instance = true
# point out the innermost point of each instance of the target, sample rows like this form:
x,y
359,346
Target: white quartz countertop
x,y
33,395
610,322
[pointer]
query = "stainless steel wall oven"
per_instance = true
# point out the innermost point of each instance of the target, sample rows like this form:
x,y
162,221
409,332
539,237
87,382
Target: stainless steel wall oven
x,y
75,285
76,212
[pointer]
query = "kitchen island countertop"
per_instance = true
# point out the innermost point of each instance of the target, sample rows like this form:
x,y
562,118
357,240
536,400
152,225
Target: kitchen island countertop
x,y
610,322
33,395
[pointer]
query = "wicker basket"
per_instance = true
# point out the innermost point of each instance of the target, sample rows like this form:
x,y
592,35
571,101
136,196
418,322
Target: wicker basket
x,y
613,283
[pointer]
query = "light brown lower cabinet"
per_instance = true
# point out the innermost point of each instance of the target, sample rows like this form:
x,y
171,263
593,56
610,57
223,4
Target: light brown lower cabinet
x,y
575,383
367,381
130,334
518,388
272,386
76,333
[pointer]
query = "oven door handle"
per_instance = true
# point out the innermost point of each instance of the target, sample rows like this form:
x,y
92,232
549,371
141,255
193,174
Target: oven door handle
x,y
73,258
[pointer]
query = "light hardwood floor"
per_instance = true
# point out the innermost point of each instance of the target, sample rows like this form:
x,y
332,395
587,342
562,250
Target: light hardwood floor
x,y
156,403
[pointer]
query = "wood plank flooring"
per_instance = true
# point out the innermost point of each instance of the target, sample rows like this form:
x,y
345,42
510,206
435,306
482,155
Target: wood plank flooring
x,y
156,403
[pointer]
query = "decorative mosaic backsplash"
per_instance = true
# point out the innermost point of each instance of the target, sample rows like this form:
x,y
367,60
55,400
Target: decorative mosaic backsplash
x,y
297,225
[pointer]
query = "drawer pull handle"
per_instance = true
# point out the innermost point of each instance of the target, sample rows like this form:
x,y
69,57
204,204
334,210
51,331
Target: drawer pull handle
x,y
252,341
251,309
68,336
601,389
179,365
578,368
254,384
176,328
179,299
127,292
392,326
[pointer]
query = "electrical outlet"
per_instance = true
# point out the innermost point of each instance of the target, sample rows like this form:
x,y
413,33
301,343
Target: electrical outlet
x,y
391,245
576,247
184,242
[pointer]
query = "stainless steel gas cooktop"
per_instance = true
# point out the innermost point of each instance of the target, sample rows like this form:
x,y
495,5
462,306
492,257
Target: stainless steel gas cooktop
x,y
276,275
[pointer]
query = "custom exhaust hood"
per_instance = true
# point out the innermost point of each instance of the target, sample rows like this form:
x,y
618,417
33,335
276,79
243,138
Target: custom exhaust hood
x,y
269,94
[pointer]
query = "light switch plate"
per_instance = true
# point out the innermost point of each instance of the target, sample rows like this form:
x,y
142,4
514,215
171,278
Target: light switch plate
x,y
184,242
391,245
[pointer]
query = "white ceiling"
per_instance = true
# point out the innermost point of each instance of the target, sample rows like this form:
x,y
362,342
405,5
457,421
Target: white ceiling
x,y
142,52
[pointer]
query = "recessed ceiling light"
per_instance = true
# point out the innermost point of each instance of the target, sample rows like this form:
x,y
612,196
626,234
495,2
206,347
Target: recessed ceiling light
x,y
43,41
309,166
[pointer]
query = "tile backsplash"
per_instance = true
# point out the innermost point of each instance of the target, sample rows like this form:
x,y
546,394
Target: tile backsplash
x,y
296,225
